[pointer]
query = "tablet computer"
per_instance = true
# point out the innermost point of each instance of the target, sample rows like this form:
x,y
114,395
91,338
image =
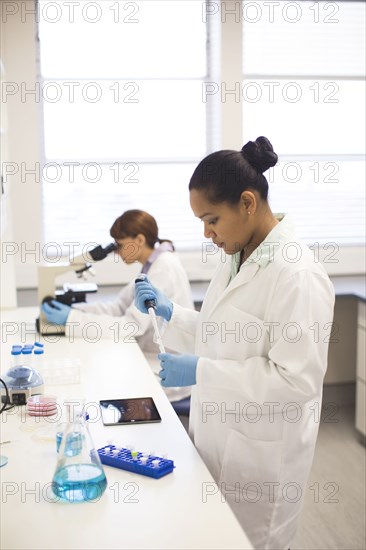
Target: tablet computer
x,y
135,410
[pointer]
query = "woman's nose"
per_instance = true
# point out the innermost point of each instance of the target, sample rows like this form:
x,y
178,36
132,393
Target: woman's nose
x,y
208,232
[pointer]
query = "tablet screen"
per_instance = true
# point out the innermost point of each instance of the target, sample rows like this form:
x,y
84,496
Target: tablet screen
x,y
135,410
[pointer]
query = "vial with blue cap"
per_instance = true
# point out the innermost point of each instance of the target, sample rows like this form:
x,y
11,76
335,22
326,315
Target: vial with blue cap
x,y
27,356
38,357
16,356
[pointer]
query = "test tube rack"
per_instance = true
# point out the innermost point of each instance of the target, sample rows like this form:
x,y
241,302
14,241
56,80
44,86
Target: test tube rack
x,y
136,462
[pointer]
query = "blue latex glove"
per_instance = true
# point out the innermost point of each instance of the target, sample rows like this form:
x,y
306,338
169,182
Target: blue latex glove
x,y
144,290
57,312
177,370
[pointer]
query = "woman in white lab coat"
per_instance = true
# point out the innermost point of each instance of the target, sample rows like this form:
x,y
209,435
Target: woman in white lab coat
x,y
259,347
136,236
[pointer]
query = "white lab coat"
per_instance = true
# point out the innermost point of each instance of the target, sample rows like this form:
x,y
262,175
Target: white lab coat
x,y
262,342
120,320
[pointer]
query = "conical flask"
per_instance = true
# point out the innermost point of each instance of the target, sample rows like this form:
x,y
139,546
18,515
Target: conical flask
x,y
79,474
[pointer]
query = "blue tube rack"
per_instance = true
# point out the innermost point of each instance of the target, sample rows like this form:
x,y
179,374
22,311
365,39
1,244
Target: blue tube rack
x,y
125,461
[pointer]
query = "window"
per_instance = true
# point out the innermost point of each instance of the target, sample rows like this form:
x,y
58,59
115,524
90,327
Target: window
x,y
310,104
124,120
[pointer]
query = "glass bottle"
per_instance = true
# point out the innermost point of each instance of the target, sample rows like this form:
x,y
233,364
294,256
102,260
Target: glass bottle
x,y
79,474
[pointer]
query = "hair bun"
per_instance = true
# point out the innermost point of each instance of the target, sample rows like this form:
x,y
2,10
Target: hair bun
x,y
260,154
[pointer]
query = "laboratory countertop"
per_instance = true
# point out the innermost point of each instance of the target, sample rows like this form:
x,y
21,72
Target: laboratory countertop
x,y
351,285
344,285
182,510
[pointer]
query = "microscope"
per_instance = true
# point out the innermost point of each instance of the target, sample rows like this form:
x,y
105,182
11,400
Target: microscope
x,y
71,293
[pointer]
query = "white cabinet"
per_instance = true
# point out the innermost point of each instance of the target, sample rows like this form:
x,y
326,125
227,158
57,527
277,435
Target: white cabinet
x,y
361,369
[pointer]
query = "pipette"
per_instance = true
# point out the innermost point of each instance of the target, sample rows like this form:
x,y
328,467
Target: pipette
x,y
151,307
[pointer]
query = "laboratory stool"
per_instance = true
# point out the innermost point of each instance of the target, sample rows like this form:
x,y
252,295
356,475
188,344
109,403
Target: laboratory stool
x,y
182,407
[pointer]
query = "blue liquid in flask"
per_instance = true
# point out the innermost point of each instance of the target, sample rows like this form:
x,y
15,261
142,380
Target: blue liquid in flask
x,y
79,482
79,475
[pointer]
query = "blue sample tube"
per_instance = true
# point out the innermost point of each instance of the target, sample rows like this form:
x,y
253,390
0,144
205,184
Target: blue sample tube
x,y
16,357
38,358
27,357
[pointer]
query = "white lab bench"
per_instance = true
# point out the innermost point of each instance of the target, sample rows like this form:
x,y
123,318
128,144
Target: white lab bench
x,y
181,510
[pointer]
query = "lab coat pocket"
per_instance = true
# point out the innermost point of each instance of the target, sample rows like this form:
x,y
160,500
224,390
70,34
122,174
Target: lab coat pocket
x,y
252,463
250,483
246,329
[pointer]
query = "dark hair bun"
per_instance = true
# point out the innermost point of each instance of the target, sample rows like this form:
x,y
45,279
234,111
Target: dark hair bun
x,y
260,154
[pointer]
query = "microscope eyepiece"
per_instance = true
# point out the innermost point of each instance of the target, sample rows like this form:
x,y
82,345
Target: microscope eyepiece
x,y
110,248
99,253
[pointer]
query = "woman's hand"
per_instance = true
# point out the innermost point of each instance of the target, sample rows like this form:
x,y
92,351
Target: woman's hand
x,y
177,370
144,290
56,312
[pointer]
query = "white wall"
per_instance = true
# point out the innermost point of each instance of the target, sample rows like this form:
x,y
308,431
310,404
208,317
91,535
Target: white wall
x,y
7,269
18,52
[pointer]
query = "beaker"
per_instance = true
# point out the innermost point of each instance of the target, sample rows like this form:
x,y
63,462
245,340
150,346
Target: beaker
x,y
79,474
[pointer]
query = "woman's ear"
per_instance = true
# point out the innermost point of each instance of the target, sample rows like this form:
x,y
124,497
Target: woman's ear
x,y
248,201
140,239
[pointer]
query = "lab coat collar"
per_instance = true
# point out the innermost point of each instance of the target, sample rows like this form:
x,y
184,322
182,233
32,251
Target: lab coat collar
x,y
265,252
246,273
257,260
165,246
217,293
